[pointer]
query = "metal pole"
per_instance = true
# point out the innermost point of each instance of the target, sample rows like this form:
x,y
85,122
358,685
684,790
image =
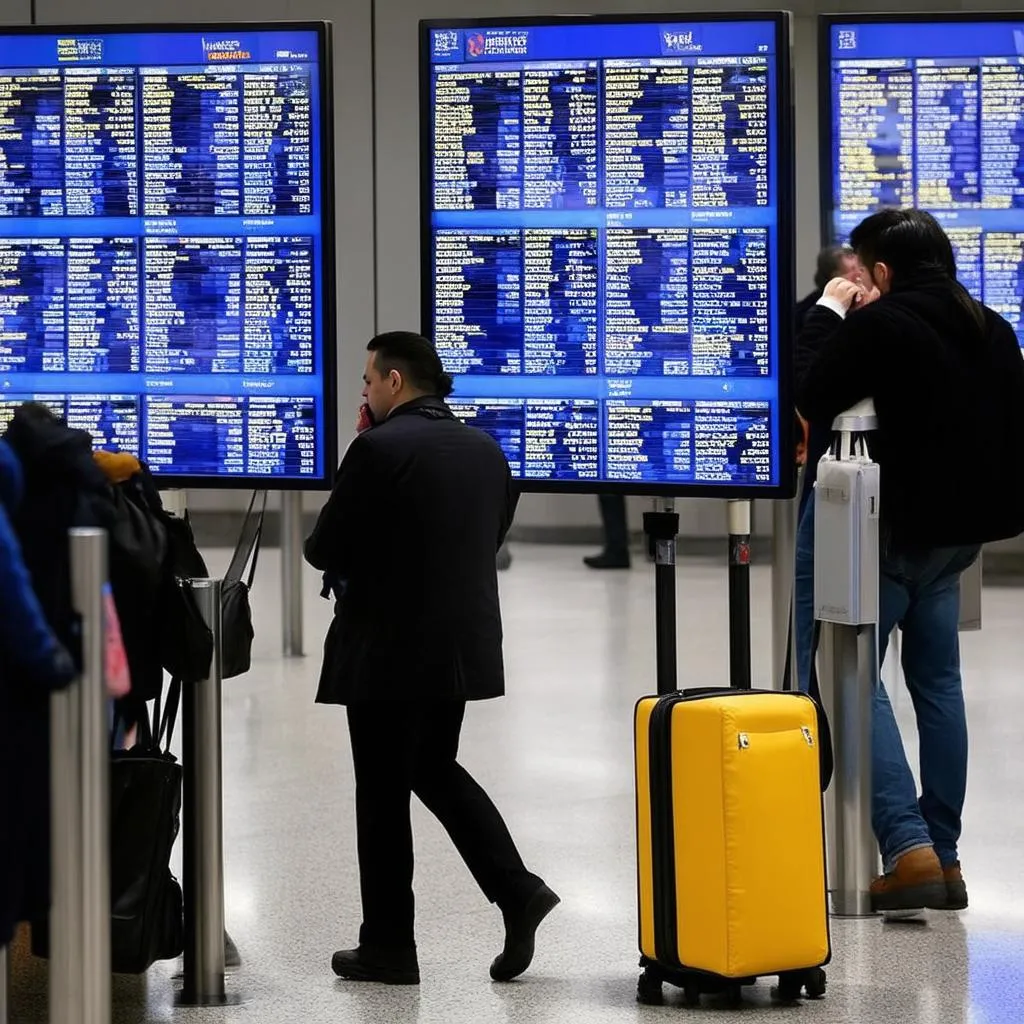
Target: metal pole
x,y
846,594
291,573
80,814
856,854
739,593
5,984
662,526
203,824
784,516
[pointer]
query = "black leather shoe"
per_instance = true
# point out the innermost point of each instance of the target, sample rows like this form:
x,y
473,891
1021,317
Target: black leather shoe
x,y
354,965
520,933
607,560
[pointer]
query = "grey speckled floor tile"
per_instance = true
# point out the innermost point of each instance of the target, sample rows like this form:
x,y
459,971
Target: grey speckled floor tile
x,y
555,756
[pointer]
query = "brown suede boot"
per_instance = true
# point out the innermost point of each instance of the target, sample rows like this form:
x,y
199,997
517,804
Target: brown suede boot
x,y
916,883
956,888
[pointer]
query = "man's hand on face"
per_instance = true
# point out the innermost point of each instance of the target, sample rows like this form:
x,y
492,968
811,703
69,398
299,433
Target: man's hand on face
x,y
846,293
365,420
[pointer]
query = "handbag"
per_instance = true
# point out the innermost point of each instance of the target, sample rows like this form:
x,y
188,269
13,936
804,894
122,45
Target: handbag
x,y
236,613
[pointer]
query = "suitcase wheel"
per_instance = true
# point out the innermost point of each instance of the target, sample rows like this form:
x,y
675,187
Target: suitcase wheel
x,y
649,990
792,986
815,983
691,994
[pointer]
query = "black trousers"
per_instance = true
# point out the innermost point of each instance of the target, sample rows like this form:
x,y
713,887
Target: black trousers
x,y
400,748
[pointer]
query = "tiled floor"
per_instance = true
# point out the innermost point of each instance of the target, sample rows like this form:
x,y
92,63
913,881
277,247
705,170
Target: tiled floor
x,y
555,755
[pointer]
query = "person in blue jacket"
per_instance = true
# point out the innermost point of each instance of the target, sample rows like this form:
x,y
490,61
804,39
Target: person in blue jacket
x,y
32,664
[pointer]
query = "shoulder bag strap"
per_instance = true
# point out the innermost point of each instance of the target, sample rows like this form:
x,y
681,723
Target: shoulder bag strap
x,y
248,537
170,715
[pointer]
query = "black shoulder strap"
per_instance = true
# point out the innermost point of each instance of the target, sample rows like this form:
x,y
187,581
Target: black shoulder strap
x,y
249,538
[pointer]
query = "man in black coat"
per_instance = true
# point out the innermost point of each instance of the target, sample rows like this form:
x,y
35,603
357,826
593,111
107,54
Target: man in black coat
x,y
407,543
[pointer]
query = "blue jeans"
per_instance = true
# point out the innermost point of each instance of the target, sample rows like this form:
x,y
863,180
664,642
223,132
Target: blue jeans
x,y
921,591
803,596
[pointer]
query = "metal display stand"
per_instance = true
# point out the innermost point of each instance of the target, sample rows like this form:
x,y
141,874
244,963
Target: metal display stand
x,y
80,807
291,573
739,516
846,571
5,984
203,823
662,527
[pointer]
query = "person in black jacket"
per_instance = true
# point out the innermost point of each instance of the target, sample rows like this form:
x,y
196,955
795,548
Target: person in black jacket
x,y
947,378
407,543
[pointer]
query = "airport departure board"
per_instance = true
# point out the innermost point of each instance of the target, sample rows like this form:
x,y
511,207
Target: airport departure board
x,y
929,112
607,247
166,245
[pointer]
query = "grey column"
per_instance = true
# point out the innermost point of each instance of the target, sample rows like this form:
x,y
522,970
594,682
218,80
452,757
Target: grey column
x,y
80,815
291,573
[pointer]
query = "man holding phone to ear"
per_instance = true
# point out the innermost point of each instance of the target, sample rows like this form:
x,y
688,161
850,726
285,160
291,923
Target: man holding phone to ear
x,y
408,541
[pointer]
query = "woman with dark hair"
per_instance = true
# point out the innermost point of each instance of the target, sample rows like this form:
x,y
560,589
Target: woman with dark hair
x,y
947,378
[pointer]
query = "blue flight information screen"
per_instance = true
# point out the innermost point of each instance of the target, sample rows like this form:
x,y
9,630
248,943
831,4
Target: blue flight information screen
x,y
931,114
166,247
606,247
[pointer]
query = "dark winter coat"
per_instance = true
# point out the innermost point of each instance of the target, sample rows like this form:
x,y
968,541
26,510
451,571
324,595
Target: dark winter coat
x,y
421,505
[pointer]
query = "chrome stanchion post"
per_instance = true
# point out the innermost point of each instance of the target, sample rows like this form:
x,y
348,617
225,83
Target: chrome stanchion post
x,y
291,573
203,821
80,815
846,571
5,985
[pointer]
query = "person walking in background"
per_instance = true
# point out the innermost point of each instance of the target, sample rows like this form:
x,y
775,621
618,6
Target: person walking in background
x,y
947,379
616,534
407,542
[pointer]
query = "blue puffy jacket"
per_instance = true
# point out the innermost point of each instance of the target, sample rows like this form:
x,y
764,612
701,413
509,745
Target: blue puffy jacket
x,y
30,654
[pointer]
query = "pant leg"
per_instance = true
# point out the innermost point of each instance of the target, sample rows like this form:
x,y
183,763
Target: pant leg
x,y
466,812
896,817
613,518
383,738
803,596
931,663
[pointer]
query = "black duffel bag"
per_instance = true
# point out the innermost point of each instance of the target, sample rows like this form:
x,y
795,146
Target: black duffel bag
x,y
147,922
145,808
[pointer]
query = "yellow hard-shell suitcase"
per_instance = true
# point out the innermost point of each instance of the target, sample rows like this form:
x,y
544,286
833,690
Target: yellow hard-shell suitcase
x,y
731,853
